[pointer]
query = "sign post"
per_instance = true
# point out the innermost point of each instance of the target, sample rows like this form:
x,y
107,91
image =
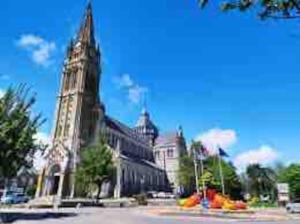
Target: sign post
x,y
283,193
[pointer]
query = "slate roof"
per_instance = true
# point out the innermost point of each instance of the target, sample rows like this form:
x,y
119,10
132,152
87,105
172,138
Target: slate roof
x,y
141,162
167,138
125,130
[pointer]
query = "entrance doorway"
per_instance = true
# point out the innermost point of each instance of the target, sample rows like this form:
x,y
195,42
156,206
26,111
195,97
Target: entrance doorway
x,y
55,178
55,184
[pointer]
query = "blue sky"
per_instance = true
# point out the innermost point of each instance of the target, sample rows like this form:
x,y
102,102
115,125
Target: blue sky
x,y
225,77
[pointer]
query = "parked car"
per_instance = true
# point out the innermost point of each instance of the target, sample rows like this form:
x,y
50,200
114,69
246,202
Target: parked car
x,y
151,194
14,198
293,206
7,198
165,195
20,198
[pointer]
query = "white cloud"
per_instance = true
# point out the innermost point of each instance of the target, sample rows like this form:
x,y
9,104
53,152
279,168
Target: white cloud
x,y
42,55
39,160
2,92
28,40
263,155
125,81
217,137
135,92
43,138
40,49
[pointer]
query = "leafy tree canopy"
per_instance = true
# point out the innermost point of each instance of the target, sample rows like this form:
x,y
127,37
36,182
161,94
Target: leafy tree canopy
x,y
186,173
278,9
211,176
262,180
96,166
18,126
291,175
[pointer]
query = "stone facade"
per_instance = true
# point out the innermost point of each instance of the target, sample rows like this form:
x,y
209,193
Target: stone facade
x,y
168,149
81,117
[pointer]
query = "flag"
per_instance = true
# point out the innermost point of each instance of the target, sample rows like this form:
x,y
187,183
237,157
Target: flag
x,y
222,153
204,150
201,152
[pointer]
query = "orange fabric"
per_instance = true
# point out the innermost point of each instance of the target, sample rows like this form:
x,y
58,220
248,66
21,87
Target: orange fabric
x,y
192,201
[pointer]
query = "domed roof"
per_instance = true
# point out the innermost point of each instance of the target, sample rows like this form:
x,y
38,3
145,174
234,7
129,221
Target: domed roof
x,y
144,123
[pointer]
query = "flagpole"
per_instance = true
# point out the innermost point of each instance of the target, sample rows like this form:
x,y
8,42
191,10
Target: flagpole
x,y
202,172
221,172
196,170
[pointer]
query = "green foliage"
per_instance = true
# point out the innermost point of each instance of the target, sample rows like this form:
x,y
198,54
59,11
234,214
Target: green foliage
x,y
186,173
96,167
17,129
277,9
261,180
291,175
30,191
256,203
211,181
232,183
141,199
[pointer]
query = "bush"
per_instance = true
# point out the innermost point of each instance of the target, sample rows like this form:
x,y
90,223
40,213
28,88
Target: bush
x,y
141,199
256,203
30,191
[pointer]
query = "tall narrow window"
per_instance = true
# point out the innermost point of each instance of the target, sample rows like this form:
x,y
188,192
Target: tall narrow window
x,y
170,153
74,80
58,131
67,81
66,131
157,154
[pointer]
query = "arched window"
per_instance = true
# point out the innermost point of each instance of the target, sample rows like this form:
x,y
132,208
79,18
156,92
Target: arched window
x,y
170,153
74,80
67,81
66,131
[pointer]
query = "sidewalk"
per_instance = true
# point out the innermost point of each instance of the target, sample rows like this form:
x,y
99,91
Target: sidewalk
x,y
249,215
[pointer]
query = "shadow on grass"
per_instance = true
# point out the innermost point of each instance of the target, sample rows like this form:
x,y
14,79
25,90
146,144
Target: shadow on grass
x,y
9,217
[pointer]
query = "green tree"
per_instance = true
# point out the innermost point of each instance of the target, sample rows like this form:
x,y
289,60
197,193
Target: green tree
x,y
232,183
96,166
277,9
261,180
291,175
211,181
186,173
18,127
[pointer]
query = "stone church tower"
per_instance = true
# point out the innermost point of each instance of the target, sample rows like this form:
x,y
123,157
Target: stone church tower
x,y
80,117
78,109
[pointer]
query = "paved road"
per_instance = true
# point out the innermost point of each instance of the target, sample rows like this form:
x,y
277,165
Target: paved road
x,y
127,216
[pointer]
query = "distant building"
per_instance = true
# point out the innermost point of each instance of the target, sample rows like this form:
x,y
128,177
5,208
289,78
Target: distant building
x,y
168,149
81,117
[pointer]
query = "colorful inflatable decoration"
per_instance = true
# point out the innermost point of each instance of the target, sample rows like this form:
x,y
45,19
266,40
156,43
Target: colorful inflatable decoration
x,y
189,202
214,200
240,205
229,205
181,202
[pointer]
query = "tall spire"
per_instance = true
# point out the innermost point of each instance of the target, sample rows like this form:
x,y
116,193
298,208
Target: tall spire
x,y
86,32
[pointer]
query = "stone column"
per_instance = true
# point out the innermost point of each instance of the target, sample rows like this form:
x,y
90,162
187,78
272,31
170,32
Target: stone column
x,y
60,185
46,186
117,191
39,184
63,166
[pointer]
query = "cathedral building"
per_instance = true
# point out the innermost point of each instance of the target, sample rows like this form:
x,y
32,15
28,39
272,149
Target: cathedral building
x,y
81,117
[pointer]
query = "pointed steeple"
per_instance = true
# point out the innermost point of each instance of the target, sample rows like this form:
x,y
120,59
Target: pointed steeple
x,y
86,32
180,131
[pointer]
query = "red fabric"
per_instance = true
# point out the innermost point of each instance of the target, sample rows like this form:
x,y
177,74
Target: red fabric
x,y
210,194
